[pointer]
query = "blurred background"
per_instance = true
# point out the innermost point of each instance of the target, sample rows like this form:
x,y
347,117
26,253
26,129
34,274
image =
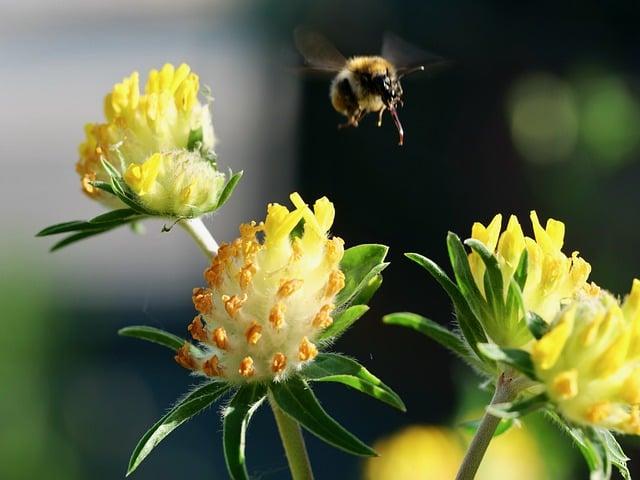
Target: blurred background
x,y
541,111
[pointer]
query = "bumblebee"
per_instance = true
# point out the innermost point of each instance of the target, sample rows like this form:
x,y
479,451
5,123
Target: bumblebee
x,y
369,83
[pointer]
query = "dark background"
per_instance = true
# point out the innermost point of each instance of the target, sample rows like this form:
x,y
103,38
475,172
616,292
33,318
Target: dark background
x,y
541,111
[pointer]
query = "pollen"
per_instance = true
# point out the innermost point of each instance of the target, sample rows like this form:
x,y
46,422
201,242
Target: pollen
x,y
598,412
323,318
183,357
211,367
220,338
565,384
278,362
202,300
246,275
289,287
87,184
334,250
335,284
246,367
232,304
307,350
196,330
276,316
253,333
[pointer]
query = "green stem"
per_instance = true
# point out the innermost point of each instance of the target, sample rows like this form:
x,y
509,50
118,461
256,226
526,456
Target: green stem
x,y
505,392
201,235
293,443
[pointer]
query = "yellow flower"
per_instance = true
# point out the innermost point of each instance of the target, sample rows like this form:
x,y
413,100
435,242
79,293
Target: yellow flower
x,y
552,277
590,360
147,138
269,295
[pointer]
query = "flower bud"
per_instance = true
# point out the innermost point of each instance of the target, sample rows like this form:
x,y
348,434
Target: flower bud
x,y
161,142
590,360
552,277
269,294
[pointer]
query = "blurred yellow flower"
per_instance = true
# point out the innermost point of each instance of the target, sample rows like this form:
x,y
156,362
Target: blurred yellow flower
x,y
161,141
552,277
430,452
590,360
269,294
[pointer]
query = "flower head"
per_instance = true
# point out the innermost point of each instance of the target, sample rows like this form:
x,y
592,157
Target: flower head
x,y
161,142
552,277
589,360
269,294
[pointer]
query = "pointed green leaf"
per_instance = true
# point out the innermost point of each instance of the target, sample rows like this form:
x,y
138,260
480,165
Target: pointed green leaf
x,y
518,408
76,237
195,139
537,326
431,329
115,216
469,324
61,228
494,289
152,334
364,296
615,453
104,186
520,275
343,321
359,265
229,188
295,398
236,417
185,409
331,367
516,358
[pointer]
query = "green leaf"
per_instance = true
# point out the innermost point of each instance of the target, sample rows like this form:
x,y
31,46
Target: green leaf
x,y
469,324
364,296
115,216
537,326
331,367
518,408
514,357
343,321
104,186
195,139
472,426
152,334
494,289
614,452
431,329
464,277
236,419
229,188
76,237
520,275
359,265
192,404
295,398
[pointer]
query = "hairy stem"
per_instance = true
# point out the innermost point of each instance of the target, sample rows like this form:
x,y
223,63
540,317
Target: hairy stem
x,y
505,392
293,443
200,235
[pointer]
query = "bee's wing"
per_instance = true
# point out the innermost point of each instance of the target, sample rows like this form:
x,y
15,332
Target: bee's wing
x,y
319,53
408,58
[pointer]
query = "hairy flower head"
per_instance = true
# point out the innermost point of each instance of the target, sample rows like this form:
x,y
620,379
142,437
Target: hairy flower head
x,y
552,277
269,294
589,360
161,141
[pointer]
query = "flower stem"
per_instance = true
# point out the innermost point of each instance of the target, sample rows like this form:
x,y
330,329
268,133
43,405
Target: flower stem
x,y
505,392
293,443
201,235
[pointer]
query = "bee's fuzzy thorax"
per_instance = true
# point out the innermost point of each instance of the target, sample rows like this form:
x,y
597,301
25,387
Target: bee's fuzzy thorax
x,y
373,65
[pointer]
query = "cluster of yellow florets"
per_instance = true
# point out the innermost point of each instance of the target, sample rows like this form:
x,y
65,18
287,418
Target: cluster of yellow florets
x,y
267,300
552,277
590,360
145,137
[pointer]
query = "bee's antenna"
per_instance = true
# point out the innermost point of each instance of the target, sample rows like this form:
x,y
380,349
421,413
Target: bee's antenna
x,y
419,68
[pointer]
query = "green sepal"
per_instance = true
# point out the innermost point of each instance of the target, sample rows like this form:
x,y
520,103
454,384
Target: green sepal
x,y
514,357
536,324
154,335
472,426
236,417
185,409
296,399
431,329
493,285
364,296
360,264
520,408
614,451
228,189
331,367
469,324
520,275
194,142
343,321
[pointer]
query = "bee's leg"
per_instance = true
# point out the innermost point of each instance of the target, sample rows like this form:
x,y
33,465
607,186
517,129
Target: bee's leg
x,y
380,112
352,120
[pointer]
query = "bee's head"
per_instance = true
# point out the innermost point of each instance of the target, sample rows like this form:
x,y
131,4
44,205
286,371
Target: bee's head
x,y
389,88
